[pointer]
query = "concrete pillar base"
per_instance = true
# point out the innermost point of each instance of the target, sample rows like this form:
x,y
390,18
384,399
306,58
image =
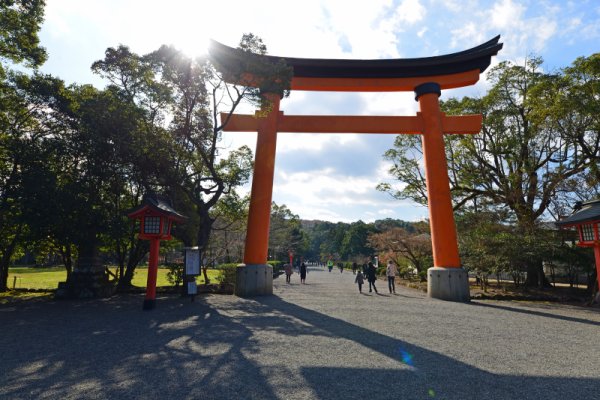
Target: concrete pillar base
x,y
448,284
253,280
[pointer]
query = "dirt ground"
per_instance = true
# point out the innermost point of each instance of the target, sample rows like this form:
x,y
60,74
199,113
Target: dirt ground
x,y
506,290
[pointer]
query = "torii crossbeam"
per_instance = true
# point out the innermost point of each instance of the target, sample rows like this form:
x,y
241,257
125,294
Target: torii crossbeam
x,y
426,77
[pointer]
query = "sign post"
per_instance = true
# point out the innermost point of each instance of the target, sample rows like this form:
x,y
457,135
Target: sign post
x,y
191,271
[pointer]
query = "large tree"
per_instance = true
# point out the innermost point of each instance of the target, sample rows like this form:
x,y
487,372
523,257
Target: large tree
x,y
29,155
20,22
517,162
106,173
182,99
569,103
76,204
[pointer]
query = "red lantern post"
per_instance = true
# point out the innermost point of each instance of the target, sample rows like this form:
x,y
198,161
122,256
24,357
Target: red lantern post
x,y
156,217
586,218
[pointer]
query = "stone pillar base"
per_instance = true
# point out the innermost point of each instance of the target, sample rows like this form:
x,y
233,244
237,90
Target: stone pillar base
x,y
448,284
253,280
88,280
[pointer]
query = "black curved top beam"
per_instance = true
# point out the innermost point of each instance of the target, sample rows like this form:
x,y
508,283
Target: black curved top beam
x,y
478,57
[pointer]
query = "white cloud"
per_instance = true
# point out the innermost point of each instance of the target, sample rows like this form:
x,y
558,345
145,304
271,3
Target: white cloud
x,y
359,24
317,142
455,6
390,103
55,22
523,32
506,14
469,34
410,12
386,211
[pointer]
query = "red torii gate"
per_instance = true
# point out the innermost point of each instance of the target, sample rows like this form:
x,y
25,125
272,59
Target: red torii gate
x,y
426,77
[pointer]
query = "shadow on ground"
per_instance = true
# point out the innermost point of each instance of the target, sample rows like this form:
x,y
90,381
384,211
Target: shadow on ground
x,y
108,349
430,374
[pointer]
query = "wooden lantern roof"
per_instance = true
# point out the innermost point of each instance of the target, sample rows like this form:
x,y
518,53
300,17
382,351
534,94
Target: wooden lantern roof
x,y
588,212
156,204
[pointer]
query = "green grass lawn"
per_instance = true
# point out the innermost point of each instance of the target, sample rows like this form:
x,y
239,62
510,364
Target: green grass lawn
x,y
48,278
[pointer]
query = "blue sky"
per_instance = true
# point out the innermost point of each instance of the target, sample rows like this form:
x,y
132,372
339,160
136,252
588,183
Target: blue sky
x,y
327,177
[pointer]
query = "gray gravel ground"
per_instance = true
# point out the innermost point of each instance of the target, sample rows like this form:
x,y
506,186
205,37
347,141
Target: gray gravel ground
x,y
322,340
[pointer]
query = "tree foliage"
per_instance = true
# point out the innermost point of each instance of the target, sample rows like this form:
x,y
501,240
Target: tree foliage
x,y
180,99
410,249
21,133
20,23
285,234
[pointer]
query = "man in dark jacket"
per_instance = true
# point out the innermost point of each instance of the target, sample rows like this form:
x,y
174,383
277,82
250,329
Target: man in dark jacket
x,y
372,276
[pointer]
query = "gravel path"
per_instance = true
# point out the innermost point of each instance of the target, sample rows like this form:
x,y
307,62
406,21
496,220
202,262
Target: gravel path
x,y
322,340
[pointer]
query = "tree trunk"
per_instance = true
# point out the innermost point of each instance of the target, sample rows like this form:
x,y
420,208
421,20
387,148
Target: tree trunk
x,y
593,289
5,260
136,254
125,280
67,258
536,277
133,253
204,231
204,270
592,282
126,277
3,275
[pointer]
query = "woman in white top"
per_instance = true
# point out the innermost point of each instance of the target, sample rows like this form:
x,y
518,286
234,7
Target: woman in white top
x,y
391,272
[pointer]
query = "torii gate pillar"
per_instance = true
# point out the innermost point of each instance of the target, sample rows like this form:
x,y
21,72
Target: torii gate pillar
x,y
255,276
446,280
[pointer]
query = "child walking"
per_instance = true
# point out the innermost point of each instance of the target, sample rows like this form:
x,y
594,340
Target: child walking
x,y
360,280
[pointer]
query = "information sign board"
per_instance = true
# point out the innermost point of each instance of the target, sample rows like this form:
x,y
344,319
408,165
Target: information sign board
x,y
192,261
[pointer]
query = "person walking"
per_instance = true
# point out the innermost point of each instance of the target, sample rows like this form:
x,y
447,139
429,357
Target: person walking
x,y
329,265
303,273
372,277
391,271
360,279
341,266
288,272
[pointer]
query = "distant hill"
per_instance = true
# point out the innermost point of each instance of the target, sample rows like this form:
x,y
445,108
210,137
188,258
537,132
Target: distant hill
x,y
380,224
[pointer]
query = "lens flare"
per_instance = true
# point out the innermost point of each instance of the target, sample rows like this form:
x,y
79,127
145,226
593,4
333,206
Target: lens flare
x,y
407,358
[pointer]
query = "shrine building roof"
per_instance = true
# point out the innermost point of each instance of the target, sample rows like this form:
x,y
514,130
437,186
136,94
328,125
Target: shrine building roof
x,y
588,212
